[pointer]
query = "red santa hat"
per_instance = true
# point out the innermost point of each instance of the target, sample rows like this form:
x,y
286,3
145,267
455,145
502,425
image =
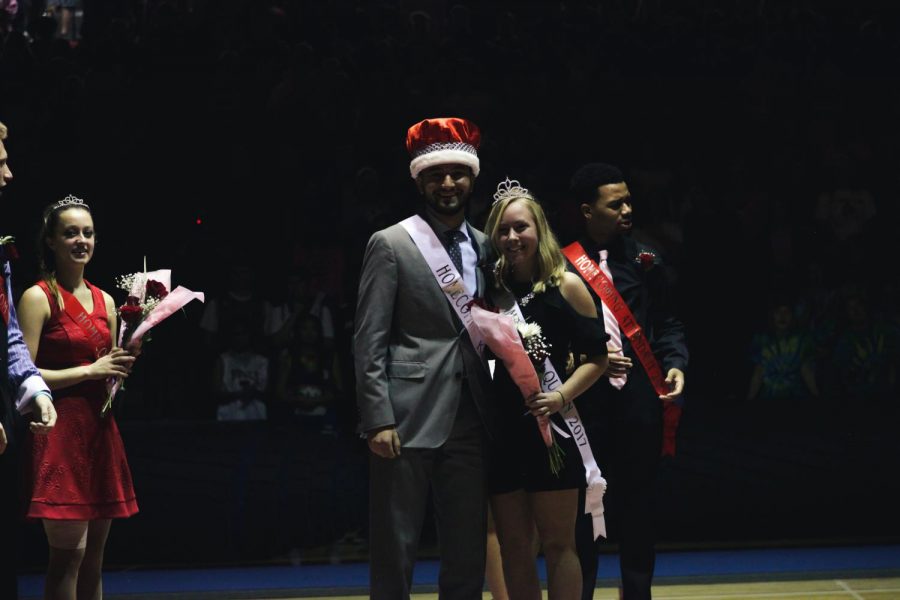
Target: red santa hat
x,y
443,141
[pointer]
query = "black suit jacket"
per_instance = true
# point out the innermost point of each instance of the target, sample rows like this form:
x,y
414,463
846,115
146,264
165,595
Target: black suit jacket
x,y
646,292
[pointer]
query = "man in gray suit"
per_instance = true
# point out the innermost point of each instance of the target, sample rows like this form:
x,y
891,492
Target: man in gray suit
x,y
422,387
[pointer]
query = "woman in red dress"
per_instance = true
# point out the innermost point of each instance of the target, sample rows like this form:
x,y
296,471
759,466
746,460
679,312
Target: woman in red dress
x,y
79,475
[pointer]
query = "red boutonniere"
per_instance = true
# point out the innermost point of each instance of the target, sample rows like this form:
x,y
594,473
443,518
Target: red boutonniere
x,y
8,249
646,260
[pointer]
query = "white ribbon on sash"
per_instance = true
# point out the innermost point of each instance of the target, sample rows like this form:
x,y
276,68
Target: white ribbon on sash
x,y
596,484
448,278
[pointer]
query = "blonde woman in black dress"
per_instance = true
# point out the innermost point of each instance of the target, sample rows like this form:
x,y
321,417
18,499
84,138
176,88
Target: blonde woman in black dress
x,y
527,498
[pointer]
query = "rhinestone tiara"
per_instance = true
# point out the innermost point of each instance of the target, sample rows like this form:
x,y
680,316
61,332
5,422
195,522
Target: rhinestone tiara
x,y
510,188
69,200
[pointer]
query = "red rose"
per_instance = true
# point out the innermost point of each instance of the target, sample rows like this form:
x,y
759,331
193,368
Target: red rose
x,y
647,260
130,313
132,301
156,289
482,303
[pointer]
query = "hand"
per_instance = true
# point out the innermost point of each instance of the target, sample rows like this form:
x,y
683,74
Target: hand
x,y
43,415
675,380
134,347
385,442
3,440
115,364
619,365
545,404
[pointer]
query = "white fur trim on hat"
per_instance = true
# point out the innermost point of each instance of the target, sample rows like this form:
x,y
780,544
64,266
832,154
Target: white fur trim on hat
x,y
446,156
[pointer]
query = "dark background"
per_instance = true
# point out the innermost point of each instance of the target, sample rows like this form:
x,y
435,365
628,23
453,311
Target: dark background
x,y
208,133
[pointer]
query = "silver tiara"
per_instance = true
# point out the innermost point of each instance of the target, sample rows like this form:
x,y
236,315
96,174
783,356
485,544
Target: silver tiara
x,y
69,200
510,188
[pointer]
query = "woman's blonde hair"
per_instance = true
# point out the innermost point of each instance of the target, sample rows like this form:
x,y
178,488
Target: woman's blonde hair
x,y
551,265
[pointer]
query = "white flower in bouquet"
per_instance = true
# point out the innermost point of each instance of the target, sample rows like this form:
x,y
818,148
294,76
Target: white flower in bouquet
x,y
527,330
537,347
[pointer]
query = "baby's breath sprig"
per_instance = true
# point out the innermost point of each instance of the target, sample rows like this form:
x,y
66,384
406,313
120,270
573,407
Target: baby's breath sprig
x,y
536,345
538,349
150,303
130,281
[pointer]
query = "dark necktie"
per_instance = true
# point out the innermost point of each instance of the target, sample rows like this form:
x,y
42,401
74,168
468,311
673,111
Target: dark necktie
x,y
454,237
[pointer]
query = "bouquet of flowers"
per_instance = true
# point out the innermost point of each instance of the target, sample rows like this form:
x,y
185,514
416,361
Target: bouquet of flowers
x,y
538,350
150,300
524,351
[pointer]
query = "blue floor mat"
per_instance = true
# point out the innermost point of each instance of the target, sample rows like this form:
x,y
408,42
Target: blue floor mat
x,y
755,564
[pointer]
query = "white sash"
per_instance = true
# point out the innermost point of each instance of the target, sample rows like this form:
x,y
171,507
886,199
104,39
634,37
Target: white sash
x,y
448,278
596,484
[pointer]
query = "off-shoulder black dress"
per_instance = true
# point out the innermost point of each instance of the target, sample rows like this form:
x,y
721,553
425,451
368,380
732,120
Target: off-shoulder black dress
x,y
519,457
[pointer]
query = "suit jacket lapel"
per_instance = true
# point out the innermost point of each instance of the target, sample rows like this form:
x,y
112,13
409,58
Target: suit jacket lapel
x,y
482,251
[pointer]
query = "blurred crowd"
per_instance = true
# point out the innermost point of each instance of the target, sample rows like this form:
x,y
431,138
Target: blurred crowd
x,y
760,143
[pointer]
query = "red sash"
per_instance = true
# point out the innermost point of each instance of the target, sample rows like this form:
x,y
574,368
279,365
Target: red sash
x,y
76,311
606,291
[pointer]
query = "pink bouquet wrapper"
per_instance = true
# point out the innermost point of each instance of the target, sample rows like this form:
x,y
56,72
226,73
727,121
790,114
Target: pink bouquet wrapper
x,y
167,307
502,337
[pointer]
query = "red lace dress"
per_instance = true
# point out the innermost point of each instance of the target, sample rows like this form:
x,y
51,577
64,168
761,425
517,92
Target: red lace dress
x,y
79,470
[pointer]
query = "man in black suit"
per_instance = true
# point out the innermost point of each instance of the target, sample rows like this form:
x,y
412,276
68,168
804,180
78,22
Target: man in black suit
x,y
624,411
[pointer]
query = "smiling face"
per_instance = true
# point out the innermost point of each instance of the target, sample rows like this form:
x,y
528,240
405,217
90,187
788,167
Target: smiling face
x,y
446,188
72,240
517,239
609,215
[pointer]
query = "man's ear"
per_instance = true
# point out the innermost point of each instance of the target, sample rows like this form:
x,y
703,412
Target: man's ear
x,y
419,185
586,211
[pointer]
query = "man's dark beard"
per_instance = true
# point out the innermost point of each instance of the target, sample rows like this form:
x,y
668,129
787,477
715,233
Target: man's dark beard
x,y
446,210
441,209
